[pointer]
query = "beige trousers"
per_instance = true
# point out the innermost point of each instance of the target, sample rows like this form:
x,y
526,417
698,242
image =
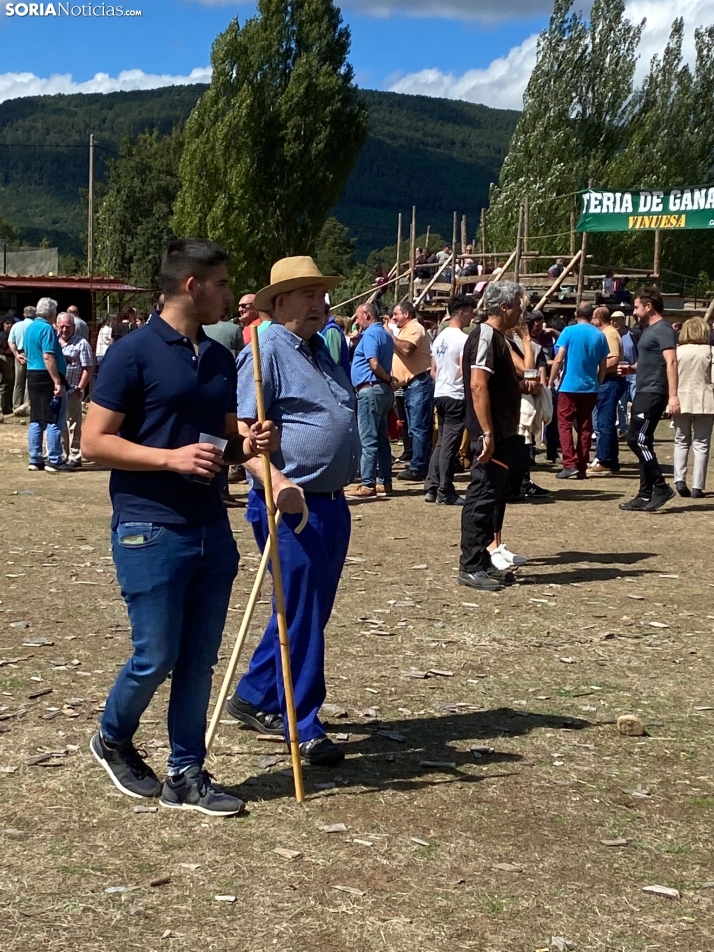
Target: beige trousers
x,y
73,430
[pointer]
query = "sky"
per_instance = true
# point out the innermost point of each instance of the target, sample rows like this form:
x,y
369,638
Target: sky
x,y
478,50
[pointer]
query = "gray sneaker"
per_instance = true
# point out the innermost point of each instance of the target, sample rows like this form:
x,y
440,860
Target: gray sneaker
x,y
195,790
481,581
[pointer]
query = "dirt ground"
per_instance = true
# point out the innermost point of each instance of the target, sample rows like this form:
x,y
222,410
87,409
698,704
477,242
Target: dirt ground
x,y
551,837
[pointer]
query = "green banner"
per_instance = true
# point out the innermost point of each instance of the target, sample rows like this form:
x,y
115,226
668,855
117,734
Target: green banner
x,y
673,209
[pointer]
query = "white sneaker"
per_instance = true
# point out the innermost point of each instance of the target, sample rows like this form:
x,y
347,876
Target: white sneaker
x,y
510,557
499,561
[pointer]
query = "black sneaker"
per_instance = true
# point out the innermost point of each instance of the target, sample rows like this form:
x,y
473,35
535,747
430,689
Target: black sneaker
x,y
683,490
638,504
659,499
126,767
454,500
531,491
270,724
698,494
195,790
36,467
481,581
411,476
430,496
321,752
504,576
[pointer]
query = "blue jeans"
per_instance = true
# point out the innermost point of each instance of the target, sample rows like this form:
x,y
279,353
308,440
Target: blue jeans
x,y
628,395
311,566
177,586
373,406
419,407
55,454
608,398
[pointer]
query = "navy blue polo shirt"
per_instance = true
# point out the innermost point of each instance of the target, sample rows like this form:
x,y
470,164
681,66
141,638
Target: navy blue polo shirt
x,y
168,394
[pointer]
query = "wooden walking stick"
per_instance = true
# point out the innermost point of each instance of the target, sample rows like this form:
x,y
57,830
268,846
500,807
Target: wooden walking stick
x,y
240,641
278,580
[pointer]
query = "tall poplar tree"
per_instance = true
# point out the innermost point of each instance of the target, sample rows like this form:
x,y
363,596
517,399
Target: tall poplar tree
x,y
272,142
574,110
135,207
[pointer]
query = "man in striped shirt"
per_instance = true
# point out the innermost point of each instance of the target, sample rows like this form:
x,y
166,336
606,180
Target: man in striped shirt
x,y
80,364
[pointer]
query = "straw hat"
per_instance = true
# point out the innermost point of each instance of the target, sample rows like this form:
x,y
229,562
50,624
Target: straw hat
x,y
290,274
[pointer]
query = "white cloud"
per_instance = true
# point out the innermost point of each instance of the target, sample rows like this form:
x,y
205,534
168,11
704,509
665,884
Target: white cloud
x,y
487,11
502,83
15,85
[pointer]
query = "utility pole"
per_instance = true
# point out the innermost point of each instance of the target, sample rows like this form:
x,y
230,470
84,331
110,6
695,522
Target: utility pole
x,y
519,243
484,245
412,253
399,258
657,255
90,210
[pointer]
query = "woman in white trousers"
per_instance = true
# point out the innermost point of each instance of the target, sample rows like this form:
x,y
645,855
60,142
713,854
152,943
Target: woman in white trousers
x,y
693,424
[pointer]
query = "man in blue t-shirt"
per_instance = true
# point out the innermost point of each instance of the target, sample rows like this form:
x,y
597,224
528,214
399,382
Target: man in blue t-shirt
x,y
583,349
47,388
374,384
165,400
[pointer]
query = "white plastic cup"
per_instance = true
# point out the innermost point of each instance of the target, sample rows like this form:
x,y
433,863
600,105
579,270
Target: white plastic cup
x,y
219,444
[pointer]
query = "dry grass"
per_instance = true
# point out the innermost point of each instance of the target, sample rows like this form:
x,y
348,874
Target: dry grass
x,y
560,782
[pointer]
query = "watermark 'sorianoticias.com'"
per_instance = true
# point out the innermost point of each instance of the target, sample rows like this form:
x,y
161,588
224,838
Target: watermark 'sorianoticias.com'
x,y
68,10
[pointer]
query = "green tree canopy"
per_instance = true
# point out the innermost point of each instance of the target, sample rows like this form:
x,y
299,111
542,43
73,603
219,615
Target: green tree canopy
x,y
271,143
574,111
135,207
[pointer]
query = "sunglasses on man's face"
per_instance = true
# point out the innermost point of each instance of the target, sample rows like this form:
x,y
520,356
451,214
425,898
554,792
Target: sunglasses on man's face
x,y
245,307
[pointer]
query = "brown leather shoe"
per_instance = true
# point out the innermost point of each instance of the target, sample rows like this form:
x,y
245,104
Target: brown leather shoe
x,y
384,489
361,492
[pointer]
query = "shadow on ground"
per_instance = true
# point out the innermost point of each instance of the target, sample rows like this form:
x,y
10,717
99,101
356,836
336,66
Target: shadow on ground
x,y
378,762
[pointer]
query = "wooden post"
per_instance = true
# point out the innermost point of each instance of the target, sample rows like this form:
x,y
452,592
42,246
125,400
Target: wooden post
x,y
526,223
412,253
484,246
399,255
710,312
657,254
572,233
454,232
428,235
90,210
464,235
559,280
581,271
519,243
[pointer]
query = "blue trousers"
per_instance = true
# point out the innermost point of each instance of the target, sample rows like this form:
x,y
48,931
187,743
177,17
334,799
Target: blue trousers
x,y
608,398
373,406
311,565
55,453
419,408
177,586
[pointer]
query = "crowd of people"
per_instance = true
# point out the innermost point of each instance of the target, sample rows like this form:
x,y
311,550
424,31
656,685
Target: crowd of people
x,y
174,406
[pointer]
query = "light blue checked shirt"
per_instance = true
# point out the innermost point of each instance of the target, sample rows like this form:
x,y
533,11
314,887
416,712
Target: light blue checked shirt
x,y
311,401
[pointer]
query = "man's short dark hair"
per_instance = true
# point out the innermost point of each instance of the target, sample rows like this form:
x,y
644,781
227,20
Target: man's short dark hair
x,y
459,302
407,308
188,258
650,294
584,311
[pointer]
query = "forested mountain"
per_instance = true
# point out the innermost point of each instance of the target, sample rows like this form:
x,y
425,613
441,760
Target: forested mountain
x,y
439,154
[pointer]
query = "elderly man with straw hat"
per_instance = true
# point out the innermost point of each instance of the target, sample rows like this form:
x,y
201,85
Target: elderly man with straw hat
x,y
312,403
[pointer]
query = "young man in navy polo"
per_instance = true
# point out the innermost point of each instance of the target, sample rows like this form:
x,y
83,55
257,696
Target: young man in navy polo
x,y
173,548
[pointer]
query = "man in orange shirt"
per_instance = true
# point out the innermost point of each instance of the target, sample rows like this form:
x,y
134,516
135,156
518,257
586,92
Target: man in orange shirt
x,y
248,315
412,369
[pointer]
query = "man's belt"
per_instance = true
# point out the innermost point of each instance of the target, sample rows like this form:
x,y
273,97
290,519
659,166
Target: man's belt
x,y
334,495
421,376
370,383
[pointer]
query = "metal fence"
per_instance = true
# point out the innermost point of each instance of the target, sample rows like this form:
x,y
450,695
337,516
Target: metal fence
x,y
29,262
